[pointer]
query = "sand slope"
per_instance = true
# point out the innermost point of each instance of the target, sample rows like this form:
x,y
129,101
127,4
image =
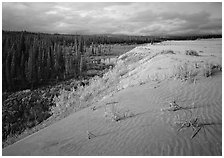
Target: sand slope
x,y
150,131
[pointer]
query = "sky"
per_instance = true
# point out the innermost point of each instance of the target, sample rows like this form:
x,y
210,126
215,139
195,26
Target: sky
x,y
137,18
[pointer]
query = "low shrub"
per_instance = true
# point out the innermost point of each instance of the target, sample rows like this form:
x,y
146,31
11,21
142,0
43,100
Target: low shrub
x,y
167,52
96,85
209,69
185,72
116,114
191,52
123,57
24,110
189,72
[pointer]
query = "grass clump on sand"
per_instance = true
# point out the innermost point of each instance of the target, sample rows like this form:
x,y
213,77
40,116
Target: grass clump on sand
x,y
173,106
115,114
191,52
210,69
185,72
167,52
188,72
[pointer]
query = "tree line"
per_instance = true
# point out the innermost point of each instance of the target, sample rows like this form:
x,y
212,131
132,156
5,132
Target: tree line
x,y
33,59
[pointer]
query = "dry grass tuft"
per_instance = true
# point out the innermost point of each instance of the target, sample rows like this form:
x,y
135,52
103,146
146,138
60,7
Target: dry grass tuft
x,y
115,114
188,72
173,106
185,72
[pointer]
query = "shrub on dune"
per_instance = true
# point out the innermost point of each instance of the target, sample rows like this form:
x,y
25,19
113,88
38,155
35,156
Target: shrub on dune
x,y
210,69
167,52
185,72
116,114
191,52
96,89
102,85
189,72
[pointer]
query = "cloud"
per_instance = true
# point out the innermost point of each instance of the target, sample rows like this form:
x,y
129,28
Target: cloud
x,y
125,18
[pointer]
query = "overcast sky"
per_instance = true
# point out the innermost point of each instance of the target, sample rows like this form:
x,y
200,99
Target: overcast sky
x,y
143,18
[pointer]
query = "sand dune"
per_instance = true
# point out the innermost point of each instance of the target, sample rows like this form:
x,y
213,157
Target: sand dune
x,y
151,131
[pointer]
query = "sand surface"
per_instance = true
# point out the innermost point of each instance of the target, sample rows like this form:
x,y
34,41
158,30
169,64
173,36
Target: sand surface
x,y
150,131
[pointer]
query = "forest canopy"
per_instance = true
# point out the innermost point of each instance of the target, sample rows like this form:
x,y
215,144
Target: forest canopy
x,y
32,59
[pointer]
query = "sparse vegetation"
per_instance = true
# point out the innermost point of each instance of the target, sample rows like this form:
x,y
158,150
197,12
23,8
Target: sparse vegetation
x,y
173,106
188,72
156,77
209,69
114,113
142,82
185,72
167,52
191,52
193,123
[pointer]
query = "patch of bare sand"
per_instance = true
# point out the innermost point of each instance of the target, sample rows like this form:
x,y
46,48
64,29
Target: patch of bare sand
x,y
150,131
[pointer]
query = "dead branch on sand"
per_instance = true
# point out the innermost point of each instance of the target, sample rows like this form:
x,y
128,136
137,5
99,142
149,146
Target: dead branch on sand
x,y
90,135
115,102
193,123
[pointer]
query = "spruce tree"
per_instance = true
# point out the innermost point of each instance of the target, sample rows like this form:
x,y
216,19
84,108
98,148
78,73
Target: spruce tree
x,y
30,66
8,71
